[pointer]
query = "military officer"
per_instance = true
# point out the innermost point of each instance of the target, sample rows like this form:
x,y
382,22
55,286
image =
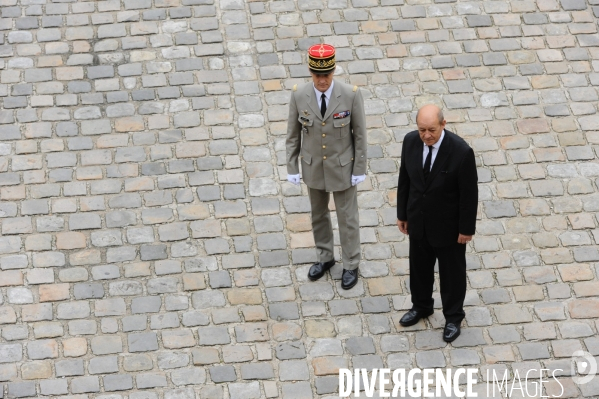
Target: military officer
x,y
326,131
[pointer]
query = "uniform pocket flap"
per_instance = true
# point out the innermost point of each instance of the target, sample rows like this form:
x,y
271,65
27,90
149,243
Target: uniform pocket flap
x,y
307,158
341,122
305,121
346,157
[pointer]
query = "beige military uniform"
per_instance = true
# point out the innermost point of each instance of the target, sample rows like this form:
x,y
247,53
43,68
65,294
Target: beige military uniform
x,y
332,149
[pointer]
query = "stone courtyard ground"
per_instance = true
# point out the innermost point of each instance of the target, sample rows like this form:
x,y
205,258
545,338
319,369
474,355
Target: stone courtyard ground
x,y
151,246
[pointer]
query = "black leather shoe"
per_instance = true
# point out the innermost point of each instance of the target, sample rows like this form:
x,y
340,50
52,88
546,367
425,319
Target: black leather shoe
x,y
349,278
412,317
451,332
319,269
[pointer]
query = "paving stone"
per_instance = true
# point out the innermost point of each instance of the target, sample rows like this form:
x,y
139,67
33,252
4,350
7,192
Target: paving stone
x,y
478,316
106,344
150,380
11,352
342,307
21,389
429,340
53,387
222,374
106,364
283,311
293,370
360,346
533,350
298,390
470,337
142,342
430,359
117,382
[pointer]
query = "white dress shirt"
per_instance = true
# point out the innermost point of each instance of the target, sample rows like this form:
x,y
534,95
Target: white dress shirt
x,y
435,150
327,94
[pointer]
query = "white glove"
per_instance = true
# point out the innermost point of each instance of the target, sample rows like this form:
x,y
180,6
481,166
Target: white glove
x,y
355,180
295,179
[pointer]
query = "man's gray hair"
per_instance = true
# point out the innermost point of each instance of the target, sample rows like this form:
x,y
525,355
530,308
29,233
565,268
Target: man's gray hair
x,y
439,115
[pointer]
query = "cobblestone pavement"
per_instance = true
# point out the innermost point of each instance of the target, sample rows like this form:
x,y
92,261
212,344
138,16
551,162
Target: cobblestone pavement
x,y
151,247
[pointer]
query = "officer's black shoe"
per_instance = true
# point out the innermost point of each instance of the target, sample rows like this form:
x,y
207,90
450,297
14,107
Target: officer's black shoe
x,y
349,279
413,316
451,332
319,269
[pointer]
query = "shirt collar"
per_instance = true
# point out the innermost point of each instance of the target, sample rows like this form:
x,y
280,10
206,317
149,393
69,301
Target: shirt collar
x,y
326,93
437,145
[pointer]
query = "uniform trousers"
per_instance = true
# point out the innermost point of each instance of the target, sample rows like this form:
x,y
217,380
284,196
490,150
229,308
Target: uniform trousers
x,y
452,276
346,205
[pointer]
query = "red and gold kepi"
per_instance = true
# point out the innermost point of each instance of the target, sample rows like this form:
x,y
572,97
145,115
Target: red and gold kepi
x,y
321,58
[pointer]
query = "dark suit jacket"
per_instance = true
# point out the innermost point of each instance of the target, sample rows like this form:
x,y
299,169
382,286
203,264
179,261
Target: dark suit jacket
x,y
445,205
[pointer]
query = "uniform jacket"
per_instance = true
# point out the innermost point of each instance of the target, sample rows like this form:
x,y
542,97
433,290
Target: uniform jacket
x,y
445,205
332,148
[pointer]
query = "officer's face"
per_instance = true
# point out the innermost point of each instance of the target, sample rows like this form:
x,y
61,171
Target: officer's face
x,y
322,81
430,128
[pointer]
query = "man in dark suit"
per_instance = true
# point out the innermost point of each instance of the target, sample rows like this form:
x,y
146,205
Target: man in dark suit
x,y
437,198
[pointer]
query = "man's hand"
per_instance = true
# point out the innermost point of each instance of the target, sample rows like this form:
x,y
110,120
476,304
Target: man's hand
x,y
295,179
462,239
355,180
403,226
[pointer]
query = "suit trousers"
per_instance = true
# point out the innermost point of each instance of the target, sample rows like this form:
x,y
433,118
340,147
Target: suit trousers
x,y
452,276
346,205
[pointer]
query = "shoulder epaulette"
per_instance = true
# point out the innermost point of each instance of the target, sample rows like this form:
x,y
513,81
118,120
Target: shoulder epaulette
x,y
355,88
294,87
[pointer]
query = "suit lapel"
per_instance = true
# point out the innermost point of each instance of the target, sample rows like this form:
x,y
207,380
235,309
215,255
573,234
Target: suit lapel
x,y
333,102
441,158
312,101
419,167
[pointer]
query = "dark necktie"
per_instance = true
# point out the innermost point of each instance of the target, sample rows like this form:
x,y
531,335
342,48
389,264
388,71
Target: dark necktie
x,y
427,162
323,105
